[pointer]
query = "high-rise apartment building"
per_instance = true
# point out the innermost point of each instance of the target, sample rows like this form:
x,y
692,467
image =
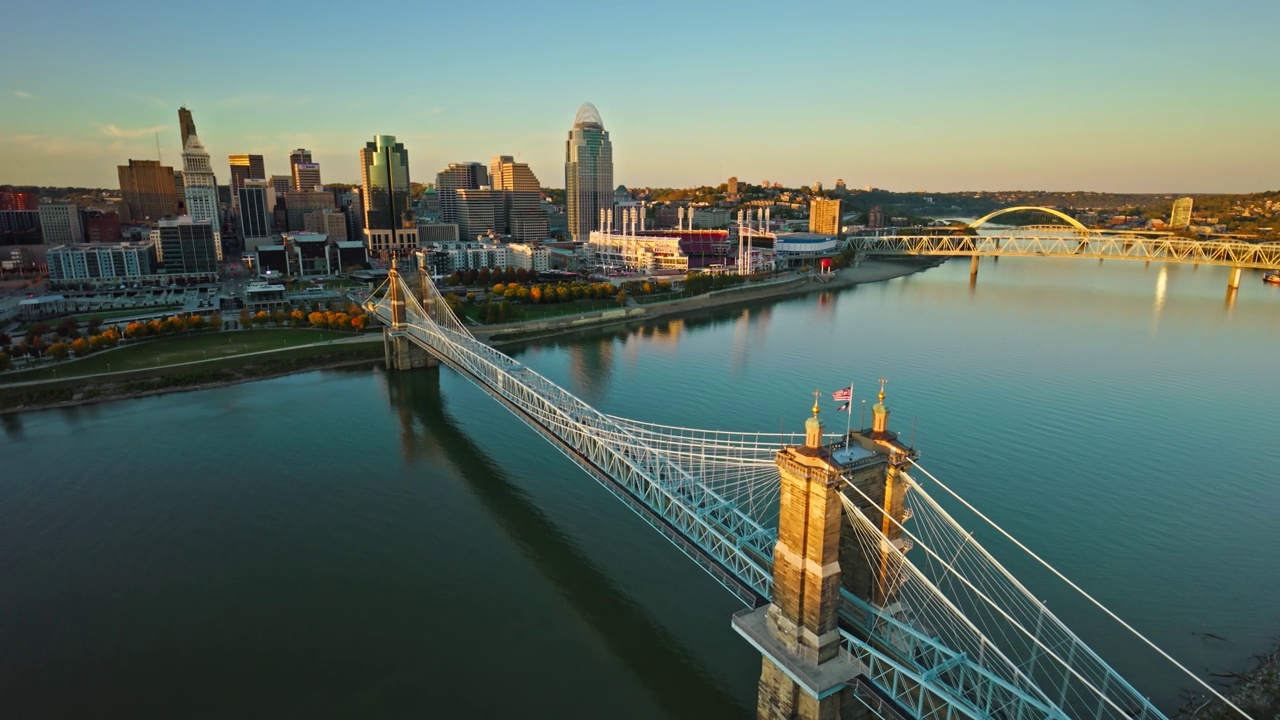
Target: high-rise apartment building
x,y
588,172
244,167
199,184
255,201
523,216
458,176
384,176
1180,217
149,190
824,216
99,263
186,125
732,186
306,176
60,223
188,246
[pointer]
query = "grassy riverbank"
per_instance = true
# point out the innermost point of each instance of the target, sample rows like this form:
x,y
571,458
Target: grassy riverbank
x,y
176,378
148,354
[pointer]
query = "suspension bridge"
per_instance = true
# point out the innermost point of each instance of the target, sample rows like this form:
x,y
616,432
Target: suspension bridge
x,y
1074,240
862,593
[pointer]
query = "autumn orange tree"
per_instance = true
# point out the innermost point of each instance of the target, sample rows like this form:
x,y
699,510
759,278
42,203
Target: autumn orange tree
x,y
80,347
58,351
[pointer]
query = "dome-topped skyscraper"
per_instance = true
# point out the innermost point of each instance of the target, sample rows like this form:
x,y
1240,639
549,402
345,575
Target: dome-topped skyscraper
x,y
588,172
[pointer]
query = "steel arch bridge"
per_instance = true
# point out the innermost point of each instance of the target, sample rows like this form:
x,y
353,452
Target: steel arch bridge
x,y
1024,208
964,639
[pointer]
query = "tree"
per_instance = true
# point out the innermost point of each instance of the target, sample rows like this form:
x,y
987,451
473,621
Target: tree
x,y
317,319
135,330
499,288
261,318
297,318
4,361
535,294
562,292
95,323
484,276
621,297
340,321
359,321
5,340
245,318
80,347
277,317
174,325
215,321
155,327
59,351
195,322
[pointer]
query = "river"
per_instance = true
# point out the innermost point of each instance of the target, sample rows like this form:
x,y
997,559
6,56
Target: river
x,y
356,542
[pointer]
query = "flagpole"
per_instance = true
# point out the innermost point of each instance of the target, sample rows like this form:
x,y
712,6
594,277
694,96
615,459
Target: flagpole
x,y
848,426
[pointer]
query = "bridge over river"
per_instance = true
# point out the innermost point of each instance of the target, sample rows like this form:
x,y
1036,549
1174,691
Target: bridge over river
x,y
863,595
1074,240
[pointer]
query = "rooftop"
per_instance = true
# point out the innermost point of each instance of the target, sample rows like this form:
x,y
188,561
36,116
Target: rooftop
x,y
588,117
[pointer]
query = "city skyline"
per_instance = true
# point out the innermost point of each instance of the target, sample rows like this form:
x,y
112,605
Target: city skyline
x,y
1101,97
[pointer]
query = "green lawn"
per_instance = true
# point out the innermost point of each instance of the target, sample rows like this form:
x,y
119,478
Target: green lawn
x,y
171,350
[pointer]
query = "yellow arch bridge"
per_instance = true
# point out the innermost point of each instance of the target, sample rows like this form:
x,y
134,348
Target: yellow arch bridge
x,y
1077,241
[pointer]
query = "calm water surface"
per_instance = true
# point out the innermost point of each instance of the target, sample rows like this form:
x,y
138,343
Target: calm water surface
x,y
351,542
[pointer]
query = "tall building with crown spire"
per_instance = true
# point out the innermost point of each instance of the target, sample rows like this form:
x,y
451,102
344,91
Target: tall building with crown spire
x,y
201,187
588,172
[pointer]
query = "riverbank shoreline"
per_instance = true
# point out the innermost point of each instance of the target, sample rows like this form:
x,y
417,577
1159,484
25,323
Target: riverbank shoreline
x,y
88,390
870,271
1257,692
221,373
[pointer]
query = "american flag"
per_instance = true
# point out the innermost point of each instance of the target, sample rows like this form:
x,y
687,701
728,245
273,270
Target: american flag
x,y
843,395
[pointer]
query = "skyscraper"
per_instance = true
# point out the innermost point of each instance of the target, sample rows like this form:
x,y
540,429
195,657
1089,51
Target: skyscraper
x,y
199,185
149,190
384,175
1180,217
521,198
300,155
588,172
255,202
244,167
186,124
458,176
306,176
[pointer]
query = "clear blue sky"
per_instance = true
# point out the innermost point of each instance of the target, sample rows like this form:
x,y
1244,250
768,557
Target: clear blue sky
x,y
1103,95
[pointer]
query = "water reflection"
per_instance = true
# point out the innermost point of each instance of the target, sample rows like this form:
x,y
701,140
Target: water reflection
x,y
12,423
1162,283
675,681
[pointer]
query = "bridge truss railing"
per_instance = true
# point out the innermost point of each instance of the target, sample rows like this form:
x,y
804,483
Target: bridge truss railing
x,y
1101,247
961,638
695,512
959,620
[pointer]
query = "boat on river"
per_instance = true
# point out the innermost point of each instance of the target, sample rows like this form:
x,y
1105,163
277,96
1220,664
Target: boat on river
x,y
1271,277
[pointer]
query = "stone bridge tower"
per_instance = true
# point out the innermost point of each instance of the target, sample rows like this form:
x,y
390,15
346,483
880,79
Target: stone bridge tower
x,y
805,673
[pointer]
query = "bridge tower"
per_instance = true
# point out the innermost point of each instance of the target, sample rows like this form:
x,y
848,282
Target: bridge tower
x,y
804,674
399,352
819,554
